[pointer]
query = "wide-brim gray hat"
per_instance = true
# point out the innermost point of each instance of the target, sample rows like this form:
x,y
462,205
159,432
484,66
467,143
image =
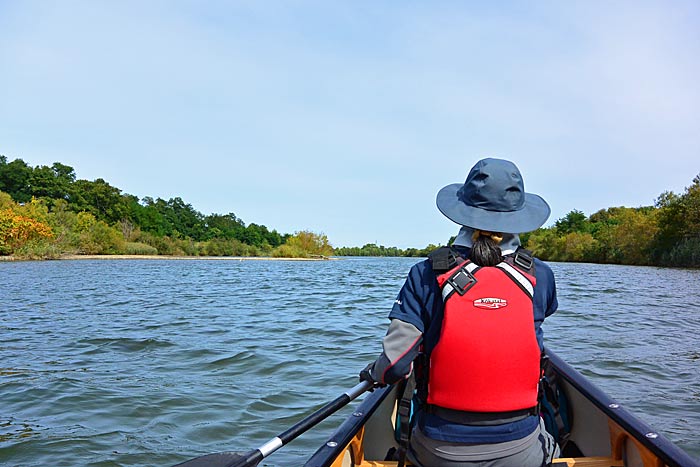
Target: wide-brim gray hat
x,y
493,198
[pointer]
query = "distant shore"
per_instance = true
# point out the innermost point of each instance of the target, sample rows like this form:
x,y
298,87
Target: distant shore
x,y
165,257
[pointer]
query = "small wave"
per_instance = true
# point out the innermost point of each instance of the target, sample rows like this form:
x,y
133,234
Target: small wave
x,y
276,402
323,332
238,359
14,371
111,303
128,344
197,353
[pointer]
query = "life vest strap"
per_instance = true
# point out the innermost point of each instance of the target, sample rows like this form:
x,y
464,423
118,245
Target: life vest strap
x,y
517,277
461,280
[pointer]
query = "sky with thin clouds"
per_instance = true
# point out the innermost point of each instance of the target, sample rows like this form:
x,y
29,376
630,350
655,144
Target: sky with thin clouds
x,y
346,118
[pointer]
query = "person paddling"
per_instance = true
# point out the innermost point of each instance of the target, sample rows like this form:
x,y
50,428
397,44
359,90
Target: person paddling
x,y
473,313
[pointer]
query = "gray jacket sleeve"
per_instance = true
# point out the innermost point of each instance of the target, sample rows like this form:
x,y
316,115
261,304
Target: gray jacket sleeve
x,y
401,345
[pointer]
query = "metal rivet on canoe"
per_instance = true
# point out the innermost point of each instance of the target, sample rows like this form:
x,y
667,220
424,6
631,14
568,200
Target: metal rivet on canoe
x,y
652,435
331,444
614,406
357,414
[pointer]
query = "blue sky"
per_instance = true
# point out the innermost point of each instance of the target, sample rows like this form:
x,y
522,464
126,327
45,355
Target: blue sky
x,y
347,117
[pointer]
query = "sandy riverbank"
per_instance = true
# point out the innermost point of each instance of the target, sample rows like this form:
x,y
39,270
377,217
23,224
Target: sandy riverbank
x,y
164,257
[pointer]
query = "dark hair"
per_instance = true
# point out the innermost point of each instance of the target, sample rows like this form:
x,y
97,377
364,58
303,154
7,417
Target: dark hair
x,y
485,251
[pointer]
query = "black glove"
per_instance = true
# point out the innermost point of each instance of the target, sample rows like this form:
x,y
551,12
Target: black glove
x,y
366,375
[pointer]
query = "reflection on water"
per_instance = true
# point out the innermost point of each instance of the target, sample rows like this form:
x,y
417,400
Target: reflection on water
x,y
137,363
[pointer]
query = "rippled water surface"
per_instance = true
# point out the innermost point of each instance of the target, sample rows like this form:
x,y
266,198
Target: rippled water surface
x,y
150,363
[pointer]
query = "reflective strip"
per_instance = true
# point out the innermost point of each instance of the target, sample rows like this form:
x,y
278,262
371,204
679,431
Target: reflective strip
x,y
518,276
271,446
447,289
471,267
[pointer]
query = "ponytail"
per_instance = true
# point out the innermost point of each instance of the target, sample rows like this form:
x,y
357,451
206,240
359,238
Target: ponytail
x,y
485,250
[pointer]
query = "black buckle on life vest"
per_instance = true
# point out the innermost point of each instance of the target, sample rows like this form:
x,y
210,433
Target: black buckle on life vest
x,y
523,259
462,281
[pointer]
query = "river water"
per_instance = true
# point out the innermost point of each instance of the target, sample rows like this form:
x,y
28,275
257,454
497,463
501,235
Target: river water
x,y
152,362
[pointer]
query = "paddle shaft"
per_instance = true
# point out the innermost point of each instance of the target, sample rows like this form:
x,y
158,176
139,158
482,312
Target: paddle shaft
x,y
253,458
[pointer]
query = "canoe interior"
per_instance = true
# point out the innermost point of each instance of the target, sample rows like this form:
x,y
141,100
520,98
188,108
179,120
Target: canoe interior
x,y
603,433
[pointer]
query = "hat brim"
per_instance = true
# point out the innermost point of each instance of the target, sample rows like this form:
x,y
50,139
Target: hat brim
x,y
533,214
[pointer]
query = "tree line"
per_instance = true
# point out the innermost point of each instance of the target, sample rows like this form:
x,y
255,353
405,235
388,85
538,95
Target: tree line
x,y
372,249
665,234
47,211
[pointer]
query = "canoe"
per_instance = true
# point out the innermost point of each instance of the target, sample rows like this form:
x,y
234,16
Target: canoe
x,y
602,432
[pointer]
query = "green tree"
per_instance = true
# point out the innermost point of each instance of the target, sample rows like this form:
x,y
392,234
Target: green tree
x,y
253,235
148,217
226,226
63,221
542,243
304,244
631,238
173,218
52,183
186,221
574,221
678,227
576,247
99,198
15,179
98,238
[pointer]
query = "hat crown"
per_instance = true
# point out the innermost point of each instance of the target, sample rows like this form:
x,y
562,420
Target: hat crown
x,y
494,185
493,198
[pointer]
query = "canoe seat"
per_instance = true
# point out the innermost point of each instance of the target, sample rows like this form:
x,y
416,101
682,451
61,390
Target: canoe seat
x,y
563,462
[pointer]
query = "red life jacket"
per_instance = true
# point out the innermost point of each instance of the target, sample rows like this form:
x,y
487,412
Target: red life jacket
x,y
487,358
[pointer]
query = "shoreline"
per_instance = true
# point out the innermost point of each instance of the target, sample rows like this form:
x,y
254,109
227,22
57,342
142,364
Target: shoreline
x,y
166,257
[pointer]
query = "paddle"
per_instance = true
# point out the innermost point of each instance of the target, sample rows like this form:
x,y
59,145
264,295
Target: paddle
x,y
253,457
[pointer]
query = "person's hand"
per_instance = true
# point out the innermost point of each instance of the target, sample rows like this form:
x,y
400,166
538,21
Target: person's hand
x,y
366,375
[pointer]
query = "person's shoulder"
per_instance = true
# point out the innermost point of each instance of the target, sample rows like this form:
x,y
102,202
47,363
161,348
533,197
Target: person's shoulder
x,y
541,264
542,270
423,272
421,267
